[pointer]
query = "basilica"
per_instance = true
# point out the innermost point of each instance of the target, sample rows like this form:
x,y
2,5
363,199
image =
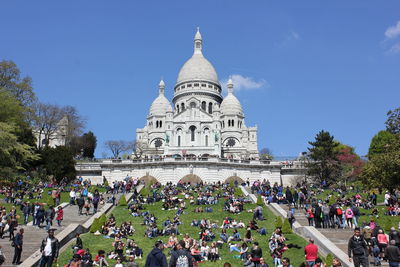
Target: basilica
x,y
199,122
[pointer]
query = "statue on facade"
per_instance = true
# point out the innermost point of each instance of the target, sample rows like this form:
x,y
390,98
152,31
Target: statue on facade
x,y
167,138
216,137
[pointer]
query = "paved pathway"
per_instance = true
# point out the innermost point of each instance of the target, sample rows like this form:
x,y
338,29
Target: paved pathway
x,y
33,235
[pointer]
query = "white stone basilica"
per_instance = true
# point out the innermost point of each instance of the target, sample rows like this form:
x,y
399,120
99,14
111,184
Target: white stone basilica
x,y
200,122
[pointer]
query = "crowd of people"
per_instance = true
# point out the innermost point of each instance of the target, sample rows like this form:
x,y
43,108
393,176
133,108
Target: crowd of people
x,y
189,249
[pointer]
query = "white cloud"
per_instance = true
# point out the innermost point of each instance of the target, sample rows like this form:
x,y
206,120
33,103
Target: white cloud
x,y
393,31
395,48
294,35
392,39
244,83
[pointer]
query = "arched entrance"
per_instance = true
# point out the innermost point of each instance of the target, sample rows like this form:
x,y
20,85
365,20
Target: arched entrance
x,y
233,179
191,178
148,179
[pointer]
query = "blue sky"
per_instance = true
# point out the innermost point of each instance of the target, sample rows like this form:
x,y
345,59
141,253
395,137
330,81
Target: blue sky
x,y
303,66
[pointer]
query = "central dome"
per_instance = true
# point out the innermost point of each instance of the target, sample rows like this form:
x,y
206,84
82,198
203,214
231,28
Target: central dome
x,y
197,67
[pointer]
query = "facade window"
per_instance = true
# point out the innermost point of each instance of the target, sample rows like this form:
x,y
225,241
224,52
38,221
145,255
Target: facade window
x,y
203,85
206,140
156,124
182,87
179,140
203,105
192,133
189,85
160,124
192,104
196,85
233,123
209,86
177,108
210,107
182,107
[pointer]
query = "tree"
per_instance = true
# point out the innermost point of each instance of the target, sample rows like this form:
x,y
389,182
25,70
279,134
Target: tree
x,y
266,154
11,81
47,122
323,152
351,164
58,162
84,145
138,148
380,142
393,121
75,123
118,146
383,169
16,150
13,154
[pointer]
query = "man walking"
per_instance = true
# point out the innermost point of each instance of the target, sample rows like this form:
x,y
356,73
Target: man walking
x,y
181,257
49,249
392,253
18,242
156,257
311,253
357,249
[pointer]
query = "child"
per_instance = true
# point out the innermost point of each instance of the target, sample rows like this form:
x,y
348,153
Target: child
x,y
60,215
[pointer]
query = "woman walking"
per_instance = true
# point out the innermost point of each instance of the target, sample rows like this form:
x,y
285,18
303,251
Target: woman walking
x,y
60,215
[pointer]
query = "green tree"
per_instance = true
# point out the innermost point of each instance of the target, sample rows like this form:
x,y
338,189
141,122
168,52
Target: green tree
x,y
16,148
393,121
266,154
323,152
11,81
58,162
380,142
383,169
84,145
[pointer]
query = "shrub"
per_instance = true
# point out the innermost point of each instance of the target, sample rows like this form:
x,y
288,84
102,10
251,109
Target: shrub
x,y
95,225
329,260
286,227
278,222
144,192
238,192
102,220
259,200
122,201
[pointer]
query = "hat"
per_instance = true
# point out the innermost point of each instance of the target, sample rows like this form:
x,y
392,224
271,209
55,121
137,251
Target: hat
x,y
51,230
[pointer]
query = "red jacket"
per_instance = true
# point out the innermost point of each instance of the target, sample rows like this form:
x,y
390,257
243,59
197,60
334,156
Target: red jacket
x,y
60,214
311,252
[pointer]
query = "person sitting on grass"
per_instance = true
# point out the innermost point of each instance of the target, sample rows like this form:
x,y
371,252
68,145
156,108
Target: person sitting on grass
x,y
213,253
235,236
100,260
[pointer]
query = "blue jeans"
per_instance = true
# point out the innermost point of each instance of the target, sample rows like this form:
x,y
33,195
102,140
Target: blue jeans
x,y
310,263
393,263
26,218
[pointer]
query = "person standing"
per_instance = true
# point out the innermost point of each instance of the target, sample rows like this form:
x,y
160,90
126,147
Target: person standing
x,y
311,253
156,257
357,249
26,210
392,254
49,249
18,242
181,256
60,215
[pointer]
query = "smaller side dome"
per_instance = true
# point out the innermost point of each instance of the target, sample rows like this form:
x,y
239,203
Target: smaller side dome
x,y
231,105
160,105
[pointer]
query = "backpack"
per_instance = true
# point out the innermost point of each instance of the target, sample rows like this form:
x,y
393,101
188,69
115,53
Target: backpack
x,y
182,261
339,211
349,212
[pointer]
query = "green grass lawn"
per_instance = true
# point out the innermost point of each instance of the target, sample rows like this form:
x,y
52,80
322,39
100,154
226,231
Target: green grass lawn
x,y
122,214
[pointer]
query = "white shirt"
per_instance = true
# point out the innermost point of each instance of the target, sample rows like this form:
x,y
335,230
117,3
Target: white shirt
x,y
47,248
